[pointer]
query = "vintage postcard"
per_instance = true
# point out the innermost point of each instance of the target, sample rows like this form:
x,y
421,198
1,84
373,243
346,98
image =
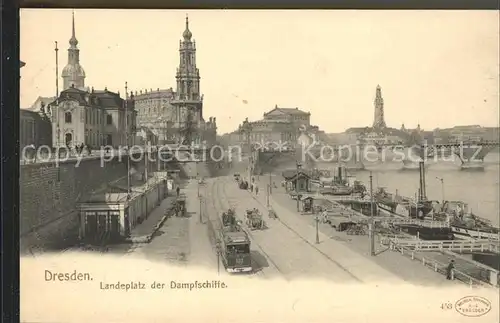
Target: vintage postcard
x,y
259,166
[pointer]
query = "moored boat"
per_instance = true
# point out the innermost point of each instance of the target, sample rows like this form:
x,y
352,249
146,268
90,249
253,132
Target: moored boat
x,y
466,224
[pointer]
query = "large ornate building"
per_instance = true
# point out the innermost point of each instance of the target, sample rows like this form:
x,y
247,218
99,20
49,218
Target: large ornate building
x,y
178,116
80,115
280,125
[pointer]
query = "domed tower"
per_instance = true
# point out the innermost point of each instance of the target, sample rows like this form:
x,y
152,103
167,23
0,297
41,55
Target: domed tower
x,y
73,74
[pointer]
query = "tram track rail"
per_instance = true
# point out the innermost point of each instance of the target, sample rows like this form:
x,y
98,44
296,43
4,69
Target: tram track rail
x,y
302,238
216,192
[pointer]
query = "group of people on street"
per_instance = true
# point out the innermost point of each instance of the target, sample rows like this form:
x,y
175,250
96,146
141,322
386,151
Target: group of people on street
x,y
82,147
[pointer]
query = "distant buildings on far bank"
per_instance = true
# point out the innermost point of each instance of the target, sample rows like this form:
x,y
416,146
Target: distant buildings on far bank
x,y
279,125
379,133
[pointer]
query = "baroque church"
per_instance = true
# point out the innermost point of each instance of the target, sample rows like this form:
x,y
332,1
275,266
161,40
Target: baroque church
x,y
177,116
82,115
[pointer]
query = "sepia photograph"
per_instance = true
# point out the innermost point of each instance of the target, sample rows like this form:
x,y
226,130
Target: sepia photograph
x,y
259,165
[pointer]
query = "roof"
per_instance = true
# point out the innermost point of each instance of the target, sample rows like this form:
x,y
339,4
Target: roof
x,y
41,100
236,237
102,98
288,111
290,174
29,113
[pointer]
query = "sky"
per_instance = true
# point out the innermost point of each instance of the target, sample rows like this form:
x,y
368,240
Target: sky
x,y
436,68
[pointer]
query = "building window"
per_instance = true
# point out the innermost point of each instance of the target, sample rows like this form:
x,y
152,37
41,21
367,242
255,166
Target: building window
x,y
109,119
67,117
109,140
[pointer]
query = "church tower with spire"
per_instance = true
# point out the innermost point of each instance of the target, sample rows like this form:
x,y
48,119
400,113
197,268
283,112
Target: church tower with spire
x,y
73,74
378,121
188,100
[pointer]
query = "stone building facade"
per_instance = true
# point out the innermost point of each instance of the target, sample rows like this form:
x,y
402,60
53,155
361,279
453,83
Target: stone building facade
x,y
281,126
94,118
34,129
177,116
80,115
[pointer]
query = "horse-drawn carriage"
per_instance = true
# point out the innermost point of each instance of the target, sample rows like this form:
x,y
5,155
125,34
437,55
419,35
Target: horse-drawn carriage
x,y
243,185
272,213
254,219
358,229
180,206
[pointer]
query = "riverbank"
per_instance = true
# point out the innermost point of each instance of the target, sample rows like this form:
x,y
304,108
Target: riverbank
x,y
403,267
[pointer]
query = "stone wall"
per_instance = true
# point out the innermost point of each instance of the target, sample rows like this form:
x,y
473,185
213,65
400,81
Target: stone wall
x,y
49,193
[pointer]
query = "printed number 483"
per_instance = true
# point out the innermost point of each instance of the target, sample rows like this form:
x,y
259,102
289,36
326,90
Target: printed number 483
x,y
446,306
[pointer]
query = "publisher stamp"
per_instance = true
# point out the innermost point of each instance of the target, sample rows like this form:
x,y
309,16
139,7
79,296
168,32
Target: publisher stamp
x,y
473,306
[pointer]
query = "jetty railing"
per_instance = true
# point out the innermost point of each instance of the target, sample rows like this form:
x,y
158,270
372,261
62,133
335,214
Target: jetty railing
x,y
404,247
440,267
453,245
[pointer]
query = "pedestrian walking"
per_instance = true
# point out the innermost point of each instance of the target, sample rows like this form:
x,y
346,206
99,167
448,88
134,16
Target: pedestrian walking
x,y
178,191
256,190
449,269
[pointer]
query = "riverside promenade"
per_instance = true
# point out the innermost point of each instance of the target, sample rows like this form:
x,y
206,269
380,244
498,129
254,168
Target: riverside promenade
x,y
345,248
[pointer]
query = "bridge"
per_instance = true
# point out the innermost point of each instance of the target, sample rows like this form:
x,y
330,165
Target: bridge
x,y
352,156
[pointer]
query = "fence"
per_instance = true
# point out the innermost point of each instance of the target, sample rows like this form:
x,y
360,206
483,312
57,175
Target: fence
x,y
438,266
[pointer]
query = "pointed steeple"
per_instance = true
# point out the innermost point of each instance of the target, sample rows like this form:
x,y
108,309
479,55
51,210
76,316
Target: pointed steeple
x,y
73,74
73,41
187,33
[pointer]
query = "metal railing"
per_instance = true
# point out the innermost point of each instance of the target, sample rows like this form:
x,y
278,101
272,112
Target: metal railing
x,y
453,245
439,267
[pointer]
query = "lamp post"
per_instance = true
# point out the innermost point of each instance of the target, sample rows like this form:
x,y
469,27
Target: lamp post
x,y
297,186
316,218
270,184
127,141
372,220
268,189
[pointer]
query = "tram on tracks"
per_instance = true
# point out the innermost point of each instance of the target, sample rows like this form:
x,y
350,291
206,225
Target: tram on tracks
x,y
234,244
235,250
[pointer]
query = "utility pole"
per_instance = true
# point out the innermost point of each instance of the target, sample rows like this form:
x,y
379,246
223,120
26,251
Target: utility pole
x,y
297,187
57,96
146,164
317,228
201,217
372,222
268,190
198,177
270,184
127,140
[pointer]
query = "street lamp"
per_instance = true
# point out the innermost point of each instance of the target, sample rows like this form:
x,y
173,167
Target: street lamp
x,y
316,218
372,222
297,186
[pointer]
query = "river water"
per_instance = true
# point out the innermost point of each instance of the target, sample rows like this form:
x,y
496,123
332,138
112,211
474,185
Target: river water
x,y
480,189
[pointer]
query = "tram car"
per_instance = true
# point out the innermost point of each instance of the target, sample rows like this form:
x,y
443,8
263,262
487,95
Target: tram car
x,y
235,251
